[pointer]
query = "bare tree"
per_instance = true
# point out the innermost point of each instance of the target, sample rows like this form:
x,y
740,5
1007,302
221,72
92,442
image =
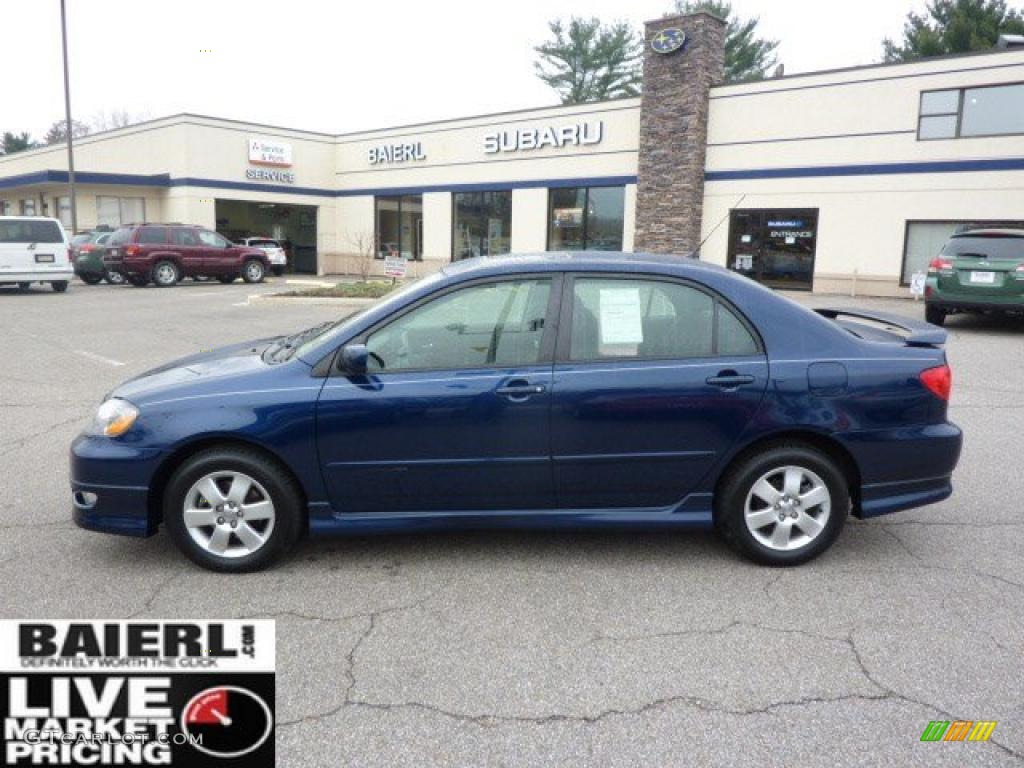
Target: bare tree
x,y
364,252
115,118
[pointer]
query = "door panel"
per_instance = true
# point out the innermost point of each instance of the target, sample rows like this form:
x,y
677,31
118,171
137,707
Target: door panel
x,y
453,413
654,380
643,434
436,441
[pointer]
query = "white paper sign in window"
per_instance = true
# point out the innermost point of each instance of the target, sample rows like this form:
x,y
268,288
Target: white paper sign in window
x,y
621,316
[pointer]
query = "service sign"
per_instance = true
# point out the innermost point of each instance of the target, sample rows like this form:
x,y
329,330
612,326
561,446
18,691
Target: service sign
x,y
264,151
194,693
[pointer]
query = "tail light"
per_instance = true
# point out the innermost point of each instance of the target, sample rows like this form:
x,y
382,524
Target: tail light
x,y
939,381
131,250
87,249
937,265
1018,273
71,255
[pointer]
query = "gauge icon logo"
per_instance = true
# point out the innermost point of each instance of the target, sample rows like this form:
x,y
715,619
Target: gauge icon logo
x,y
227,721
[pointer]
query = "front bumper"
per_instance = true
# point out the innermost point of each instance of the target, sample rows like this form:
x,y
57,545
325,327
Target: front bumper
x,y
110,483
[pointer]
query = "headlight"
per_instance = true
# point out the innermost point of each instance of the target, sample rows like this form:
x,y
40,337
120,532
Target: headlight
x,y
114,418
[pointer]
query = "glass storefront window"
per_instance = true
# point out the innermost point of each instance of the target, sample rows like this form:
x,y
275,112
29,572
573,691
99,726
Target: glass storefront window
x,y
399,226
775,247
483,224
586,218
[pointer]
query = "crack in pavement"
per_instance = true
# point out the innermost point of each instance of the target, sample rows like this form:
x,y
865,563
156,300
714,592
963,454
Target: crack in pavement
x,y
490,720
157,591
21,442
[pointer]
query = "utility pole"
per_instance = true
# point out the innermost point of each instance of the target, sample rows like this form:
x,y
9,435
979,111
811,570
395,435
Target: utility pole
x,y
67,116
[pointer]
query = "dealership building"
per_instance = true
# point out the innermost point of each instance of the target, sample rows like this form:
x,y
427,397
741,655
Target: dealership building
x,y
840,181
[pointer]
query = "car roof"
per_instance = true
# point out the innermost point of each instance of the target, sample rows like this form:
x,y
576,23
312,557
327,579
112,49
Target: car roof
x,y
604,261
29,218
992,231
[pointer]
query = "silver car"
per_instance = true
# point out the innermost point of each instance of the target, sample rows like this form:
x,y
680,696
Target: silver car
x,y
275,253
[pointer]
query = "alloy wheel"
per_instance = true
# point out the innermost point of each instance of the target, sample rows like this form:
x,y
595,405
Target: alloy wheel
x,y
787,508
229,514
165,274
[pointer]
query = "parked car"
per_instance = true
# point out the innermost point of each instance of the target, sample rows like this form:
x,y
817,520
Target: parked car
x,y
275,253
165,253
87,249
34,249
980,270
585,390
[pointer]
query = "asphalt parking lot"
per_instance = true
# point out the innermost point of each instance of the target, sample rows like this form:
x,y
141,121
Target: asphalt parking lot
x,y
504,648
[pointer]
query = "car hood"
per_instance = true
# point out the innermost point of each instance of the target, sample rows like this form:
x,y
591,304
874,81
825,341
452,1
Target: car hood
x,y
198,373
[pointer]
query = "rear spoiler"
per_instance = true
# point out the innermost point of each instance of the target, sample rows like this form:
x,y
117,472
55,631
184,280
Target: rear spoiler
x,y
915,333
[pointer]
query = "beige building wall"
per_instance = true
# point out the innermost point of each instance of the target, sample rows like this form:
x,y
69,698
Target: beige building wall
x,y
865,117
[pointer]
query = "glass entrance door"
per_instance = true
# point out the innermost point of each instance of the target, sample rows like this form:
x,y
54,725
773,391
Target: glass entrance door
x,y
775,247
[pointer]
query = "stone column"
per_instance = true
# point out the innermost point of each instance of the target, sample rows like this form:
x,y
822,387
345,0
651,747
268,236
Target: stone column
x,y
674,130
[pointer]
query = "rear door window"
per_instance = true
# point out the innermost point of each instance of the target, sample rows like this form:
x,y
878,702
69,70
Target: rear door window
x,y
152,235
622,318
183,236
30,231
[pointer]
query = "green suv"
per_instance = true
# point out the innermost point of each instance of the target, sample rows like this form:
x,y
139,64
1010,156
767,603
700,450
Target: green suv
x,y
981,270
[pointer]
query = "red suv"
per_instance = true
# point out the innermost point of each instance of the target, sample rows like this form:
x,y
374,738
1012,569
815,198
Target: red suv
x,y
165,253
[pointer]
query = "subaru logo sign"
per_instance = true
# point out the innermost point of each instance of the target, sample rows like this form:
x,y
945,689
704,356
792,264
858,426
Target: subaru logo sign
x,y
668,40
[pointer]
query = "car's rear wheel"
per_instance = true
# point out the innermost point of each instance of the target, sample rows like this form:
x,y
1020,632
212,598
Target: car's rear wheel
x,y
91,278
253,271
226,279
166,274
232,510
783,506
934,315
59,285
115,278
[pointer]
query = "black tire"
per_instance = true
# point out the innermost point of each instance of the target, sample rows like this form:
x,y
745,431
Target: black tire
x,y
282,490
934,315
24,286
59,286
115,278
731,501
91,279
138,281
227,279
166,274
253,271
278,271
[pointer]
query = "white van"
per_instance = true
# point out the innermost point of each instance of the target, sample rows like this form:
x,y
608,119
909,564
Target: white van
x,y
34,249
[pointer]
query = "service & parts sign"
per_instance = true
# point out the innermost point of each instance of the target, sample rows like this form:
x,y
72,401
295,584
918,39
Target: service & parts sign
x,y
112,693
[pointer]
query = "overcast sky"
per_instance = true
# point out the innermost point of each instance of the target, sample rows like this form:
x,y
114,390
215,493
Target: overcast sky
x,y
352,64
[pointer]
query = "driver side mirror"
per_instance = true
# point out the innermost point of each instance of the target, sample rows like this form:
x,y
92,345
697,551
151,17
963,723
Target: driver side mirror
x,y
355,358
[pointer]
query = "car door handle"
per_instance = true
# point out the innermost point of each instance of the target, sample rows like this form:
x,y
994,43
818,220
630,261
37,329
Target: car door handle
x,y
730,380
520,390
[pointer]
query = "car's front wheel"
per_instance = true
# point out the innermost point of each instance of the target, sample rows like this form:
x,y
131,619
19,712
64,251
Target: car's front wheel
x,y
226,279
139,281
91,278
253,271
783,506
934,315
59,285
232,509
115,278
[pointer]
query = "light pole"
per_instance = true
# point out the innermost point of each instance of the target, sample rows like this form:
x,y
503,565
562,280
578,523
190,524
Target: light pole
x,y
67,117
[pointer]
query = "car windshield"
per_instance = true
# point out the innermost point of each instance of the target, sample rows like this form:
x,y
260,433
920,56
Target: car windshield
x,y
30,231
986,247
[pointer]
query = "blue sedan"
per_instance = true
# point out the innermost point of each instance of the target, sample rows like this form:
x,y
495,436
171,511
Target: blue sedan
x,y
560,390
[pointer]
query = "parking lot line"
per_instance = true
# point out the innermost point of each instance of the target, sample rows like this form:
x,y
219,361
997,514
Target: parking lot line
x,y
99,358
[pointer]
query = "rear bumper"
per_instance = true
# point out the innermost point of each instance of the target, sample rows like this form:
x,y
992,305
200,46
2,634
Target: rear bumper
x,y
904,467
38,276
977,303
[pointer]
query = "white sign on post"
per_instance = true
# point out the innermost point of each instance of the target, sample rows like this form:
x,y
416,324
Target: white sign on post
x,y
620,316
917,281
395,266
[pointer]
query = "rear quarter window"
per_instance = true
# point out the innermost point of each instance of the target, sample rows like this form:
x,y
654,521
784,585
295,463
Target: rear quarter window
x,y
152,235
30,231
120,236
